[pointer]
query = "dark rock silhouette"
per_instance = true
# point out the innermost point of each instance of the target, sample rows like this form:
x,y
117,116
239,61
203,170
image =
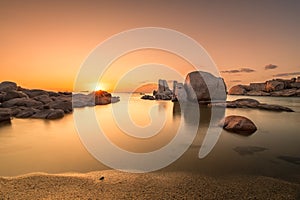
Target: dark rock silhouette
x,y
5,116
19,102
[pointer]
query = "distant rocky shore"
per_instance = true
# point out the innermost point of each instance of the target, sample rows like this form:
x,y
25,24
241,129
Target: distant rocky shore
x,y
204,88
275,87
19,102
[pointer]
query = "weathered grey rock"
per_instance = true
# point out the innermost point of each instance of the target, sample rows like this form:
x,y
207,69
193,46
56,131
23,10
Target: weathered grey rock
x,y
284,93
237,90
56,114
5,115
295,85
252,103
82,100
246,103
21,102
49,114
274,85
271,107
179,92
13,94
7,86
26,113
34,92
239,124
66,106
2,95
257,93
43,98
164,92
257,86
205,87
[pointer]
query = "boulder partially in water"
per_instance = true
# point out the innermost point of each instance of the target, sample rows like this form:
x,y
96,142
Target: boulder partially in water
x,y
205,87
239,124
5,116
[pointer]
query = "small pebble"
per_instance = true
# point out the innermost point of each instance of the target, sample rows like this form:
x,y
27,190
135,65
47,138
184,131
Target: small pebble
x,y
101,178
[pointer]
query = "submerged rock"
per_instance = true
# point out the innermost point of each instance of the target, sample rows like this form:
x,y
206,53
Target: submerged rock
x,y
252,103
239,124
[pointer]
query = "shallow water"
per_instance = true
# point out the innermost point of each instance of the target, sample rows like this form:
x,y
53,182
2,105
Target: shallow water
x,y
33,145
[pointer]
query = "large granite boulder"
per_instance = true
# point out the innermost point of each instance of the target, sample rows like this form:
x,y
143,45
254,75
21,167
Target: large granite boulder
x,y
204,87
7,86
239,124
274,85
237,90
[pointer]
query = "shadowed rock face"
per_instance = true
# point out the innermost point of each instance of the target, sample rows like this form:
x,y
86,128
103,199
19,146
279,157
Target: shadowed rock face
x,y
205,87
239,124
4,115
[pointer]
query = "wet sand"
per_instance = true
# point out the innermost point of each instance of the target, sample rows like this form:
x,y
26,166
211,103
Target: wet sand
x,y
158,185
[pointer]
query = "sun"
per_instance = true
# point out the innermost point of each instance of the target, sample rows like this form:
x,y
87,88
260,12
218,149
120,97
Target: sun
x,y
98,87
101,86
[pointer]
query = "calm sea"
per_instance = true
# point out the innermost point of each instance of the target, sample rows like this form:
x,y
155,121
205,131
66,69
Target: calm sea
x,y
33,145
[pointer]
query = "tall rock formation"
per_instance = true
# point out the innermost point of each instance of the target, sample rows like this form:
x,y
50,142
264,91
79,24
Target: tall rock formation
x,y
204,87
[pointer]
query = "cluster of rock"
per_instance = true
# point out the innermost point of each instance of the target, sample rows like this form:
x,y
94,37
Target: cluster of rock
x,y
19,102
198,86
252,103
275,87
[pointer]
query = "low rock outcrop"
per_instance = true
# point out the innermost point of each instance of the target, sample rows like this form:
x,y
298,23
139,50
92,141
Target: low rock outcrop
x,y
19,102
275,87
252,103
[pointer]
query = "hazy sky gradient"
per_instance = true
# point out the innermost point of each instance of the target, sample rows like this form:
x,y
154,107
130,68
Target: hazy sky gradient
x,y
43,43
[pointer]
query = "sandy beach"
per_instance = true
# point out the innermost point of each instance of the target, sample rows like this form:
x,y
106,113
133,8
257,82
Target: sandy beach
x,y
121,185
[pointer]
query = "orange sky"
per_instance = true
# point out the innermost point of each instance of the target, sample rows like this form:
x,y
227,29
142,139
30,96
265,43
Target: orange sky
x,y
44,43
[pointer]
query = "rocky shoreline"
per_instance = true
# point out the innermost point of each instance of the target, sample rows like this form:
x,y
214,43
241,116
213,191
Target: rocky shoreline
x,y
19,102
275,88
